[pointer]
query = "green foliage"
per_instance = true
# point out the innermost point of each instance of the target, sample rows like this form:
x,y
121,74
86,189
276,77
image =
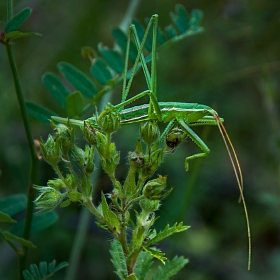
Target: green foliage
x,y
44,271
118,259
17,20
109,71
167,232
74,104
38,112
170,269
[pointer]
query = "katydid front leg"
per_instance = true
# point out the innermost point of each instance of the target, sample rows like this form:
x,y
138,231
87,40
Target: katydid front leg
x,y
197,140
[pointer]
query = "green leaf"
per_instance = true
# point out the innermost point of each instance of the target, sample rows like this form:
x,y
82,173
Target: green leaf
x,y
77,79
17,20
113,58
170,30
100,71
35,271
121,40
56,88
4,218
13,204
27,275
8,236
181,20
167,232
43,268
60,266
51,266
143,264
161,38
170,269
38,112
74,104
110,217
156,254
40,222
140,32
17,35
118,259
196,16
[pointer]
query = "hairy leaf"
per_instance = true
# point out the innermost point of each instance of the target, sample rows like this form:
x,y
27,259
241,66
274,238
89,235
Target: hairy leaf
x,y
170,269
167,232
109,215
156,254
118,259
143,264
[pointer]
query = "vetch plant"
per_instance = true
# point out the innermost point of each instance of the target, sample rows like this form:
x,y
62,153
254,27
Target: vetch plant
x,y
114,213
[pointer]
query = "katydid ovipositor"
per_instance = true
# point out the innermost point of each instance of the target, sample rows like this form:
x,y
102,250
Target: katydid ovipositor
x,y
185,115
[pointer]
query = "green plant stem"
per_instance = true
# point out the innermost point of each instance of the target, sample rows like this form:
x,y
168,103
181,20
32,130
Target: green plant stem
x,y
80,236
33,156
10,9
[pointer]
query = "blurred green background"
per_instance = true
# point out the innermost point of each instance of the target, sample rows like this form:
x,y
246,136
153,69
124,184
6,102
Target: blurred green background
x,y
233,66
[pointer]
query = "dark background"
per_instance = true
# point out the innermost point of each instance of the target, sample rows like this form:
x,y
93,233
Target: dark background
x,y
233,66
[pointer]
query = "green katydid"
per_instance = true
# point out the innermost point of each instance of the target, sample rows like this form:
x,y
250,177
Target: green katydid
x,y
185,115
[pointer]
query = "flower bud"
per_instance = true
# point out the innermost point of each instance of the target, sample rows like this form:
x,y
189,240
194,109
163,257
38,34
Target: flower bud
x,y
71,180
154,189
151,165
51,150
79,155
136,159
148,205
174,137
149,131
109,119
56,184
48,199
66,135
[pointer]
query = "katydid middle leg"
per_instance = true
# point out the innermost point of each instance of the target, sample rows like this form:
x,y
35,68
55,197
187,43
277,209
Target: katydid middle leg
x,y
196,139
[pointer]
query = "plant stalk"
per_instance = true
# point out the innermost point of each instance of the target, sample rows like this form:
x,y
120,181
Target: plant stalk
x,y
34,159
